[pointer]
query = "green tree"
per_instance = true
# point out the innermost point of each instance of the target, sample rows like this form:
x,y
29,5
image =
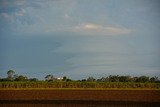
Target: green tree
x,y
15,76
50,78
83,80
91,79
142,79
64,78
33,79
103,79
21,78
68,79
124,78
113,78
153,79
10,74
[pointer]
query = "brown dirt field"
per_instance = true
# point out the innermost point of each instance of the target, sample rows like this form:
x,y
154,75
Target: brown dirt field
x,y
79,98
104,95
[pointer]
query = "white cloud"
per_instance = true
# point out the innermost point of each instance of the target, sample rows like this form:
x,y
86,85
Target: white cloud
x,y
94,29
89,29
90,26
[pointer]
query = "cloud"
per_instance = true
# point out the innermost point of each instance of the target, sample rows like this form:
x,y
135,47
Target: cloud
x,y
17,8
95,29
53,17
90,26
67,16
89,29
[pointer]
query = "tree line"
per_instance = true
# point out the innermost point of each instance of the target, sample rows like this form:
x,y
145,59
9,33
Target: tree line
x,y
12,76
14,80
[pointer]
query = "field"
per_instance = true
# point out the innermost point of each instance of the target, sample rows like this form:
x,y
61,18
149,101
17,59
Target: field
x,y
79,98
75,84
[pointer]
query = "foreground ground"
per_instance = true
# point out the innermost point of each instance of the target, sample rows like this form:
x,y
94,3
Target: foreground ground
x,y
79,98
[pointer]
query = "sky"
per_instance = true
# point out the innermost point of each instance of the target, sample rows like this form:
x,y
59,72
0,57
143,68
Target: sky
x,y
80,38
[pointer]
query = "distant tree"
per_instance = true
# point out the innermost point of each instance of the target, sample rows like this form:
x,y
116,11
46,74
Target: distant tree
x,y
124,79
21,78
10,74
113,78
134,79
4,79
50,78
103,79
15,76
33,79
142,79
68,79
64,78
91,79
153,79
83,80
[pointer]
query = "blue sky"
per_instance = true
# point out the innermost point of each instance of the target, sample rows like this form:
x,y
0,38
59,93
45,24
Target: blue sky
x,y
80,38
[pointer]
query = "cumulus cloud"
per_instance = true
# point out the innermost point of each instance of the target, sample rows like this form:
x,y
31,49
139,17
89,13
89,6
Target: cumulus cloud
x,y
94,29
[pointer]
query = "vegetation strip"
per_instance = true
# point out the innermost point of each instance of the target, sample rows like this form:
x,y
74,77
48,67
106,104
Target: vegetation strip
x,y
111,78
76,84
15,81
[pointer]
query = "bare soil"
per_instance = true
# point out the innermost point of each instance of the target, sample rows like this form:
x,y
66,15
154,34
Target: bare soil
x,y
79,98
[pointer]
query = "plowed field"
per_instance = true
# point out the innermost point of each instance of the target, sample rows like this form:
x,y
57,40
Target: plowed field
x,y
79,98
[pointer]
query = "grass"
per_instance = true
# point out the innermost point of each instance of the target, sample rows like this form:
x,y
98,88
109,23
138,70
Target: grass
x,y
78,86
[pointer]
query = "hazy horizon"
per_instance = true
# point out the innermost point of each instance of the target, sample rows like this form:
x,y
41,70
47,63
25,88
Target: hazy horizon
x,y
80,38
